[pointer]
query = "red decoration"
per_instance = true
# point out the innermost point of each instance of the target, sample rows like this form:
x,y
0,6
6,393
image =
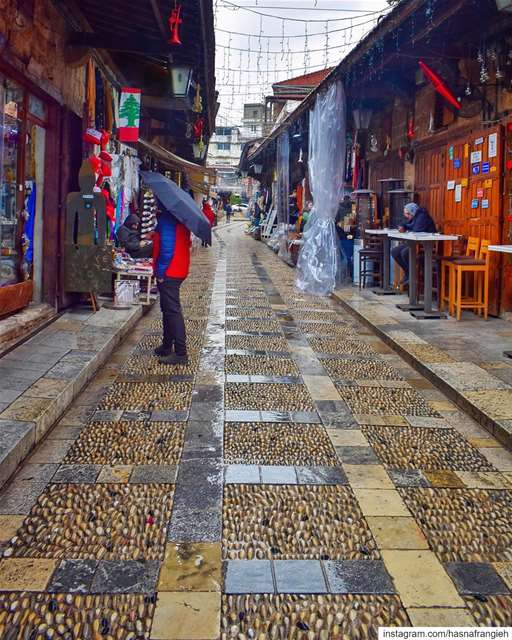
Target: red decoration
x,y
509,165
439,85
410,127
198,128
174,21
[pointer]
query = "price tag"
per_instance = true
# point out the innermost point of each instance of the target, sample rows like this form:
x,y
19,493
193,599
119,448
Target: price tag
x,y
474,203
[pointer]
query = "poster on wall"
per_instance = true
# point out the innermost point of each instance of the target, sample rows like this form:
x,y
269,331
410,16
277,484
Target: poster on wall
x,y
493,145
129,115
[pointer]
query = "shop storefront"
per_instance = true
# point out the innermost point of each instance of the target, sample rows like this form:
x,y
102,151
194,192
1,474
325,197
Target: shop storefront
x,y
23,121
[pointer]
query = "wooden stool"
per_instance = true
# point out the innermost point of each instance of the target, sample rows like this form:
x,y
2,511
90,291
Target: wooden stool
x,y
479,303
472,249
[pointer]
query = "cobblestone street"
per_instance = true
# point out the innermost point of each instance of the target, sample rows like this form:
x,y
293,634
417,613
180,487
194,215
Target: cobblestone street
x,y
297,480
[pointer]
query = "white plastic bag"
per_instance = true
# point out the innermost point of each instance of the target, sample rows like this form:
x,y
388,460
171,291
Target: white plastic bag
x,y
319,266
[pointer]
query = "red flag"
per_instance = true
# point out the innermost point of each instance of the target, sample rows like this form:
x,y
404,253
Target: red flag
x,y
439,85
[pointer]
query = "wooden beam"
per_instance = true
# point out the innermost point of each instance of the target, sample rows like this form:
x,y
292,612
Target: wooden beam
x,y
159,20
135,43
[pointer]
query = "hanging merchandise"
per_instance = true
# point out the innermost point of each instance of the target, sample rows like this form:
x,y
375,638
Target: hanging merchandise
x,y
410,126
197,107
439,85
319,266
148,215
27,237
283,190
174,22
92,136
100,100
90,93
129,114
198,128
374,143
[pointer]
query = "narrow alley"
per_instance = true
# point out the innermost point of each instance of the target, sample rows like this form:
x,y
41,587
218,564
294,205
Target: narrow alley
x,y
297,480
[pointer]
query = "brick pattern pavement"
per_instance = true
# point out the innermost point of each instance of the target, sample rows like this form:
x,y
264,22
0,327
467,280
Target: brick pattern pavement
x,y
296,480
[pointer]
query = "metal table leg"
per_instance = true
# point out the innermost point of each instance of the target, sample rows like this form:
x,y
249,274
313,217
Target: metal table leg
x,y
413,281
428,313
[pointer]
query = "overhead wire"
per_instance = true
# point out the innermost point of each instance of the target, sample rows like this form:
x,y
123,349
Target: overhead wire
x,y
237,7
301,35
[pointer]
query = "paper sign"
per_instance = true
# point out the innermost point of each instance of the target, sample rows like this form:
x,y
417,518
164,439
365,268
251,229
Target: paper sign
x,y
485,167
466,150
493,145
493,169
488,183
478,141
458,193
476,156
451,185
456,163
475,169
450,153
464,182
485,204
474,203
479,193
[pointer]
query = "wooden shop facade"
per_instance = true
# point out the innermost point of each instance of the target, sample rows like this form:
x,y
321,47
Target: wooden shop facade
x,y
429,117
63,69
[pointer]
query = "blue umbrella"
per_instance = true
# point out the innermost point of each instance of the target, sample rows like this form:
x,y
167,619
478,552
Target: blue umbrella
x,y
177,202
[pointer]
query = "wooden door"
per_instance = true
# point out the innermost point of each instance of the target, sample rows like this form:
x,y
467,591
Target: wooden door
x,y
485,212
429,181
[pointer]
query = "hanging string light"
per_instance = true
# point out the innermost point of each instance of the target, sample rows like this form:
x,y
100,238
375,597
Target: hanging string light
x,y
326,52
258,63
282,40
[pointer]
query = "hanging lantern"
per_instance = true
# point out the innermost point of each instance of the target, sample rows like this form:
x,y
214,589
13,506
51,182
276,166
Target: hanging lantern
x,y
257,168
174,21
181,79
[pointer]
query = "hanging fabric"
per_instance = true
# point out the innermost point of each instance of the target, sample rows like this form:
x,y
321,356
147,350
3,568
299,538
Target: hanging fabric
x,y
109,109
319,264
100,104
91,93
283,189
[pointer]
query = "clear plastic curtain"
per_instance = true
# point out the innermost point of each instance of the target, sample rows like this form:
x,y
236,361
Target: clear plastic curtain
x,y
319,265
283,188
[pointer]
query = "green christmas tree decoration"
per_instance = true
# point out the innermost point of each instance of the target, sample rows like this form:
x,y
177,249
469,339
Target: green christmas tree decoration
x,y
130,111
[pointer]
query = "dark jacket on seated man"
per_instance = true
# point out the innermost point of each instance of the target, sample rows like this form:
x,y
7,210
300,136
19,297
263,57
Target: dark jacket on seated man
x,y
128,237
421,222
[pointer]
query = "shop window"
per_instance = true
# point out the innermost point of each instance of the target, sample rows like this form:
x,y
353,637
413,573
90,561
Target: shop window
x,y
22,148
11,109
37,108
224,146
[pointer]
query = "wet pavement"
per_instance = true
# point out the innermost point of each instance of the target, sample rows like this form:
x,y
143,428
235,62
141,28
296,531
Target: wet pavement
x,y
297,480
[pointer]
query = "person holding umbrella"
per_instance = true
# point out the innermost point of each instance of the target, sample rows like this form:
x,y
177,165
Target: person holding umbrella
x,y
178,216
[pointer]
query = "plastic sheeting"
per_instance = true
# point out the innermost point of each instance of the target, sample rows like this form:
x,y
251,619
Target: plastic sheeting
x,y
319,265
283,188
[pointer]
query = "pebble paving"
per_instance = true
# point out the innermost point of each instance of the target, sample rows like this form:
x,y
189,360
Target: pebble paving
x,y
297,480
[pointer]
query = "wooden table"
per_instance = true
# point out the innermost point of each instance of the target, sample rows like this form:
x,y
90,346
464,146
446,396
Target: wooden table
x,y
502,248
425,311
386,289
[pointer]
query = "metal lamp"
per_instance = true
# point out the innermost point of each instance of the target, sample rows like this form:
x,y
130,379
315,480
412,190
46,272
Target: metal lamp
x,y
257,168
504,5
181,79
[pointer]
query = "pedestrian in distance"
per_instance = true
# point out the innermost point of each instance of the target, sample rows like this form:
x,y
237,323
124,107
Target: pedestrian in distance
x,y
417,220
171,263
229,211
209,215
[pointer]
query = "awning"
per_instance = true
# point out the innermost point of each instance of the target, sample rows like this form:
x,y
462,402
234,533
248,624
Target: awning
x,y
199,177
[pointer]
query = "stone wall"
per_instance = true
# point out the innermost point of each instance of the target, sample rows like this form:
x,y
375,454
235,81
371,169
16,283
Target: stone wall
x,y
36,47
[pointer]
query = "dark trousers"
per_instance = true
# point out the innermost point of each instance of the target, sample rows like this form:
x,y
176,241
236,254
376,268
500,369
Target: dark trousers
x,y
400,254
172,316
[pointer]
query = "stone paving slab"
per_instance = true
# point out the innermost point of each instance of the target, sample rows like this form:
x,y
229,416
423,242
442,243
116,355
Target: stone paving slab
x,y
52,355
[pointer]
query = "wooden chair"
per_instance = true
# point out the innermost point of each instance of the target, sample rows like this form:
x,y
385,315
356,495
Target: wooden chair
x,y
371,262
472,249
479,267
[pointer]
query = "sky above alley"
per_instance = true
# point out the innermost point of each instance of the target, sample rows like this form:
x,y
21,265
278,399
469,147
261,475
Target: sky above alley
x,y
263,41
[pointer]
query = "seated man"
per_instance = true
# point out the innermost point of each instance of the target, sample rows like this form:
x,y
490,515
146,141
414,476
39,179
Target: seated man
x,y
418,220
128,237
